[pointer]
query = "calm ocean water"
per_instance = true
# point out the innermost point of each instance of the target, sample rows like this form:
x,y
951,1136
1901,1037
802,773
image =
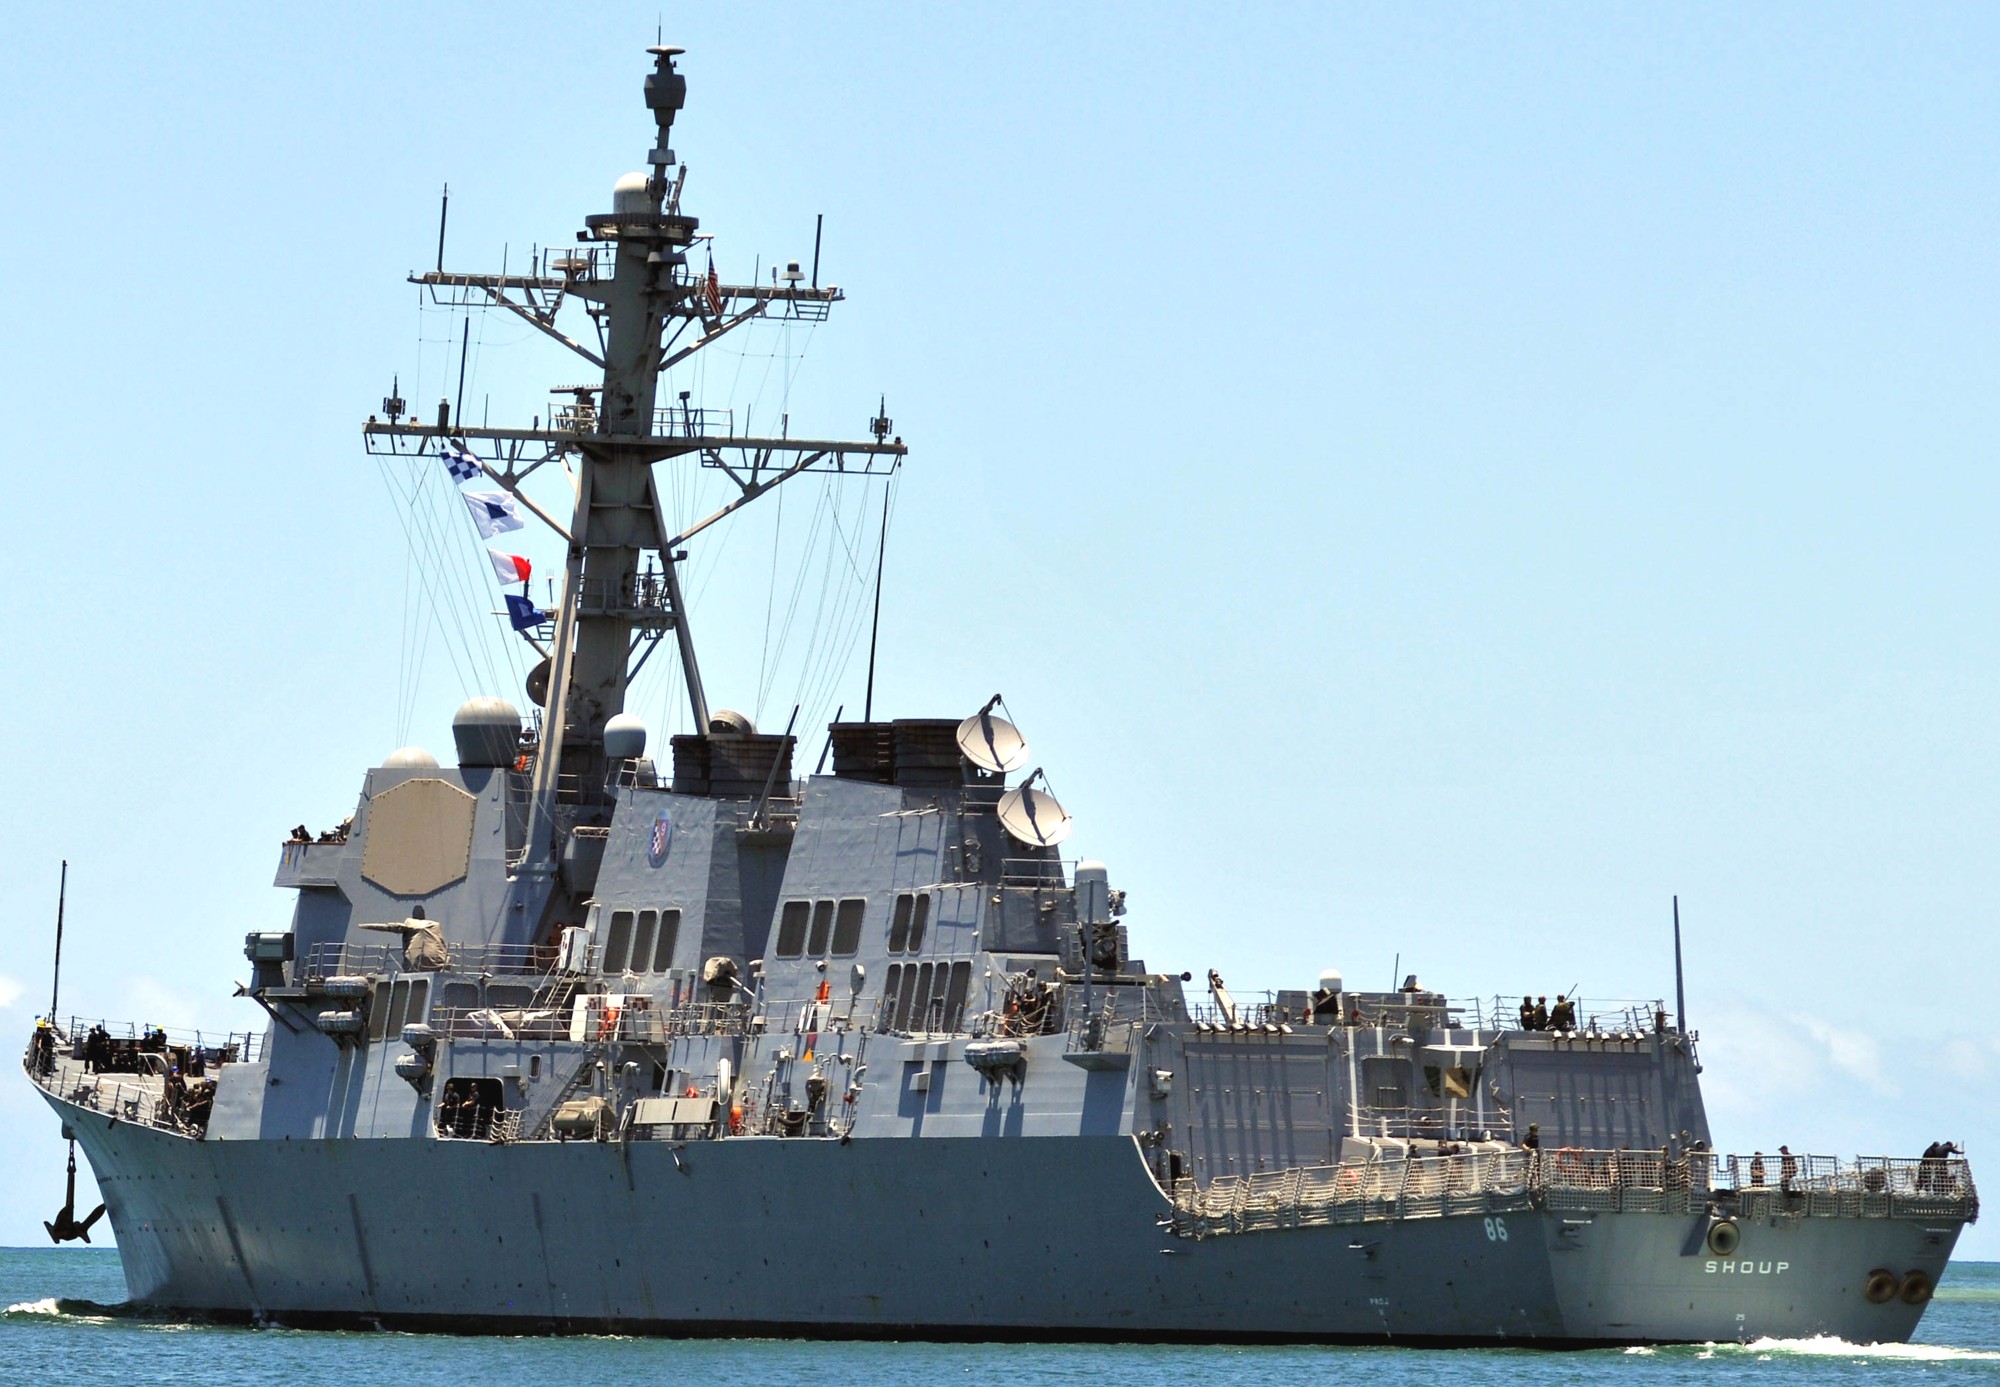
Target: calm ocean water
x,y
61,1326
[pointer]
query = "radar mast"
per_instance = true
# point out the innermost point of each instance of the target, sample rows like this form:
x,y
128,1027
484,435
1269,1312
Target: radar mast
x,y
630,274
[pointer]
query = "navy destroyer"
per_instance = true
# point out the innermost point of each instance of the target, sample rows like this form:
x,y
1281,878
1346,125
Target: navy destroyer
x,y
572,1036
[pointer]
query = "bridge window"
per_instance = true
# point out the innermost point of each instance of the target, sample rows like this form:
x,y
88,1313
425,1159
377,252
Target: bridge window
x,y
618,941
792,929
891,982
822,928
670,930
642,940
847,926
954,996
396,1004
907,921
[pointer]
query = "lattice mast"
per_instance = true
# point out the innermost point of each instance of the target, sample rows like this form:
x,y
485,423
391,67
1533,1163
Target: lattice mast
x,y
633,277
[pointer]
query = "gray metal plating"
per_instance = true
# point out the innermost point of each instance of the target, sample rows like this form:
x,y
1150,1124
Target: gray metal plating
x,y
566,1039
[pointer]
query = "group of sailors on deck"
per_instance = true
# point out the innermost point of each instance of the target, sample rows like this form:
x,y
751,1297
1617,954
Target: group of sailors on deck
x,y
1537,1015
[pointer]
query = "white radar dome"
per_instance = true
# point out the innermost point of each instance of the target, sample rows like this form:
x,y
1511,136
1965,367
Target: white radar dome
x,y
630,194
624,738
487,731
411,758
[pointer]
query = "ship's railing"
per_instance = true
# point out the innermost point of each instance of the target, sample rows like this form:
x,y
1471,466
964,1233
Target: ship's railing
x,y
1307,1196
674,421
642,595
153,1083
329,960
1055,872
636,772
570,788
583,262
478,1123
1594,1015
1808,1186
1414,1123
1115,1015
627,1023
1496,1182
131,1098
129,1038
501,1023
1262,1011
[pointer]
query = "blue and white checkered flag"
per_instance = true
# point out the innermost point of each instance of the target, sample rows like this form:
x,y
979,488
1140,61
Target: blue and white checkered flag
x,y
462,465
492,512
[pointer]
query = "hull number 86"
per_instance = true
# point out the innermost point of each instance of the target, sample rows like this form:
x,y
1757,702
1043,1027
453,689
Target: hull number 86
x,y
1496,1230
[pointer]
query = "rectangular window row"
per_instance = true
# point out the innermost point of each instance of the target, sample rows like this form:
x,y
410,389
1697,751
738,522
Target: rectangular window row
x,y
641,941
395,1004
925,997
814,928
908,922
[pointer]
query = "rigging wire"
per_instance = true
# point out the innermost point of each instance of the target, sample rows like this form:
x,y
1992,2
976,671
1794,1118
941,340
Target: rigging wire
x,y
478,577
452,581
436,556
428,588
770,597
457,563
428,495
820,679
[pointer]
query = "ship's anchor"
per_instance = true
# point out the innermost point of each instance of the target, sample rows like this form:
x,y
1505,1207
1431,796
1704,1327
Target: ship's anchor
x,y
66,1228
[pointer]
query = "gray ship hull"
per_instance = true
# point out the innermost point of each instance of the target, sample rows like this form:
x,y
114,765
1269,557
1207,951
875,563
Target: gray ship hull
x,y
1042,1238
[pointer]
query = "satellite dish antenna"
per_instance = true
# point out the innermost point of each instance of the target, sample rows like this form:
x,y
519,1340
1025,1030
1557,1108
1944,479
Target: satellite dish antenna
x,y
538,685
1033,817
992,743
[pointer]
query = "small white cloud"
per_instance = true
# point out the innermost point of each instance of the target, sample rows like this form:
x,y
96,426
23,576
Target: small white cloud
x,y
150,1002
1756,1048
10,992
1856,1052
1973,1062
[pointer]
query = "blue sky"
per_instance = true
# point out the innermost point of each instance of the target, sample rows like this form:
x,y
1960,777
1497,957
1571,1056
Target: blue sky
x,y
1431,483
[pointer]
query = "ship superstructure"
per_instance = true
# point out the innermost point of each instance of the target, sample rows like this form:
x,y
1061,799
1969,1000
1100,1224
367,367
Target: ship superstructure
x,y
573,1035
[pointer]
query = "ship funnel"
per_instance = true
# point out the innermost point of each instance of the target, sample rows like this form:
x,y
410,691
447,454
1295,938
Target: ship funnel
x,y
488,732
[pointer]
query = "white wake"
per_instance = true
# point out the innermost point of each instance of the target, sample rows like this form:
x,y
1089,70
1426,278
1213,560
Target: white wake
x,y
1828,1346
